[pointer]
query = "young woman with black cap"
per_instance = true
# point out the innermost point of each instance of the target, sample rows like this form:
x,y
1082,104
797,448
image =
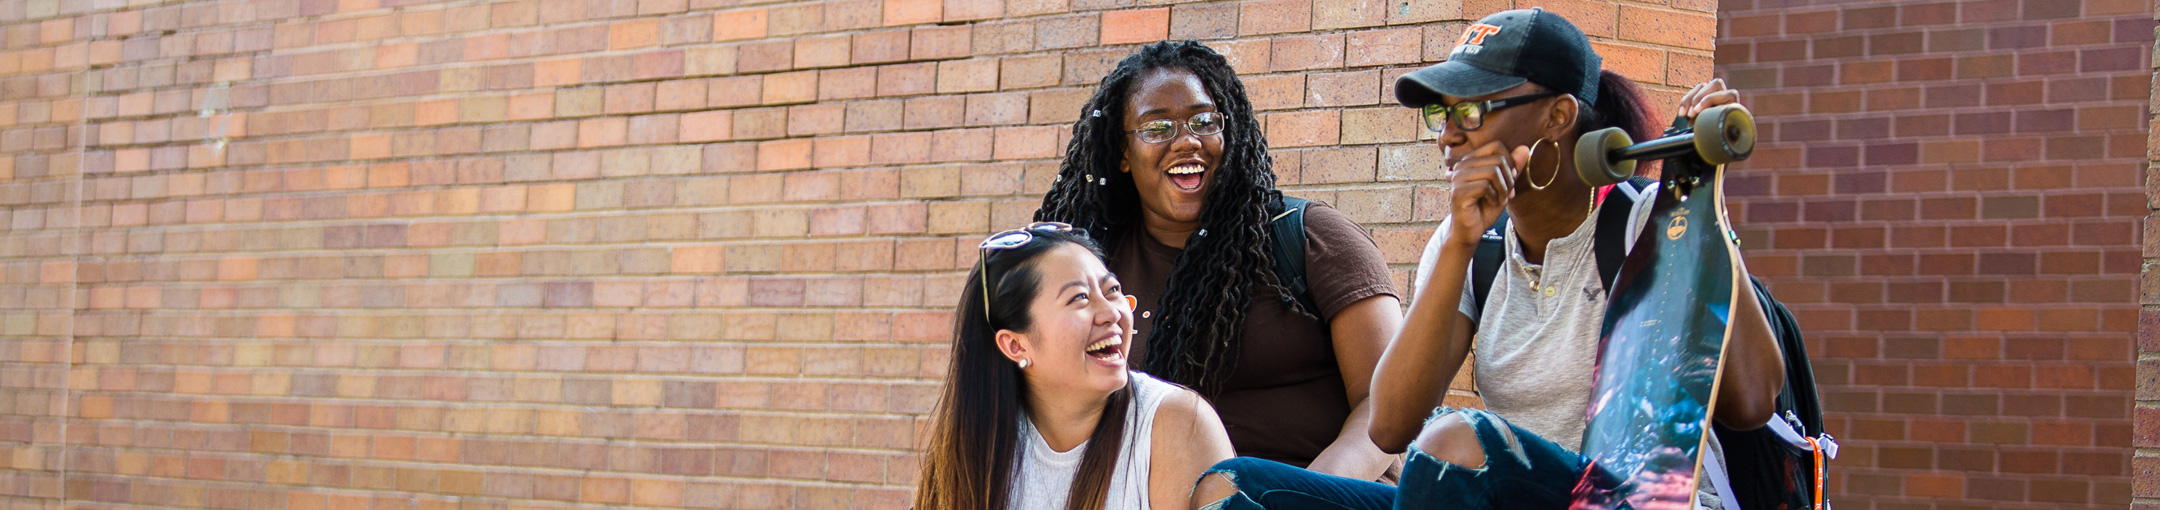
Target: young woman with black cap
x,y
1516,92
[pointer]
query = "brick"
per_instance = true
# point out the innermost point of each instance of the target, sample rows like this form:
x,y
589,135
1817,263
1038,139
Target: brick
x,y
760,123
679,95
880,46
1339,14
928,43
732,91
631,98
1325,166
1421,11
1071,31
711,126
633,34
853,15
603,131
818,119
851,83
969,10
1275,92
1026,142
906,78
815,52
1302,129
1631,61
973,75
557,72
935,112
1341,89
1274,17
1057,106
1386,47
1029,72
1203,21
1596,19
710,61
1298,53
953,145
765,56
1386,124
1673,28
1135,26
796,20
874,115
785,88
739,25
910,12
1003,38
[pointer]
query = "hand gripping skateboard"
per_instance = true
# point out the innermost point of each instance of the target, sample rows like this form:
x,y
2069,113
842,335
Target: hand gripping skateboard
x,y
1666,324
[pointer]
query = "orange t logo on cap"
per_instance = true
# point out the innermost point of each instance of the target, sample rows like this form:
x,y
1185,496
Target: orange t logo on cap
x,y
1476,34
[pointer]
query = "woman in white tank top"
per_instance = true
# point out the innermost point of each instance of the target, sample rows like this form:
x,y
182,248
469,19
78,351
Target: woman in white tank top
x,y
1039,410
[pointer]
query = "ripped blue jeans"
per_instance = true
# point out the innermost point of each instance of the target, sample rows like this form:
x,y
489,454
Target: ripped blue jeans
x,y
1521,470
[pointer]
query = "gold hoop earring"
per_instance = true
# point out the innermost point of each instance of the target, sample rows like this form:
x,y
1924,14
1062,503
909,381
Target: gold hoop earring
x,y
1533,157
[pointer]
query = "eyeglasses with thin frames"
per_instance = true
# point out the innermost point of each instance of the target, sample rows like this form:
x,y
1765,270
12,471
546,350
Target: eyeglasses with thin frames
x,y
1163,130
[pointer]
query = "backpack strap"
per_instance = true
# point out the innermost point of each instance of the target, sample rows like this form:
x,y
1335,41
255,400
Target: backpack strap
x,y
1800,397
1613,240
1288,220
1485,264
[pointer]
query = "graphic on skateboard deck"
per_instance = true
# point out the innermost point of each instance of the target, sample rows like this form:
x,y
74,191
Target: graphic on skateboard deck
x,y
1666,325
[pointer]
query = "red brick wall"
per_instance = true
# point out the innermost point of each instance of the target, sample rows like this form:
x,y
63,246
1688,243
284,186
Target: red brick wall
x,y
1949,198
575,253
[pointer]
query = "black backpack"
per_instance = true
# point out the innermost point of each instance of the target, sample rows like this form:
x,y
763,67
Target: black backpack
x,y
1286,214
1777,467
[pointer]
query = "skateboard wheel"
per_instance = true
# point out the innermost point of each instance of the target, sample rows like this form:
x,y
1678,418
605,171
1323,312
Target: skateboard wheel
x,y
1593,160
1725,134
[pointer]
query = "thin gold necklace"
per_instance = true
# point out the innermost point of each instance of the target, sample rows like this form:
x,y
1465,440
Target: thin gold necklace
x,y
1524,264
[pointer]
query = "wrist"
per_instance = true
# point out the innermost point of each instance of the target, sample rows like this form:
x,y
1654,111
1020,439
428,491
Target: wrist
x,y
1462,242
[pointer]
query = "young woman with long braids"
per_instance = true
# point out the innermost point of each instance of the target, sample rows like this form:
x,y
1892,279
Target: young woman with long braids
x,y
1168,166
1520,83
1039,411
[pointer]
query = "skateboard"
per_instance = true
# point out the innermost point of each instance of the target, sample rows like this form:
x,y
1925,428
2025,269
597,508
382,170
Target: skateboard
x,y
1668,320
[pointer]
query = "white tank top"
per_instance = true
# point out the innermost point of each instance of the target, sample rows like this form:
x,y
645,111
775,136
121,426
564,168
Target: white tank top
x,y
1045,476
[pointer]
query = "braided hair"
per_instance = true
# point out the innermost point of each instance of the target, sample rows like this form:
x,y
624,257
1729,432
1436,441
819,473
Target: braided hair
x,y
1202,310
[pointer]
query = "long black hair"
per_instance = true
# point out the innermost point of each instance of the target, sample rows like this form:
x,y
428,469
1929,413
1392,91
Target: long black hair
x,y
1622,104
1202,308
975,436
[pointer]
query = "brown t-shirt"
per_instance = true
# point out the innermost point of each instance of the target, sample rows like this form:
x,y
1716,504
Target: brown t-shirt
x,y
1286,401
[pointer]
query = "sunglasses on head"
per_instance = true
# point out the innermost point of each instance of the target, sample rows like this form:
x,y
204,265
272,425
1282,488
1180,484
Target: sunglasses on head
x,y
1016,238
1007,240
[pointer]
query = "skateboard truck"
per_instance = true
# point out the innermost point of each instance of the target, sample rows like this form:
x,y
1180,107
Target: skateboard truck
x,y
1721,134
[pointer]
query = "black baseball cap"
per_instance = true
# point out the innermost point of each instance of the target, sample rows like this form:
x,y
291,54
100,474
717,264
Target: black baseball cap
x,y
1504,50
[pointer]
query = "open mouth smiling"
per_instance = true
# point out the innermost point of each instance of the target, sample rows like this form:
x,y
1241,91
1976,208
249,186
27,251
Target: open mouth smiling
x,y
1110,349
1187,175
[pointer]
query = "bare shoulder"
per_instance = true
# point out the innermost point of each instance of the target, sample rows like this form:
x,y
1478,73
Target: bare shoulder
x,y
1188,438
1182,407
1185,422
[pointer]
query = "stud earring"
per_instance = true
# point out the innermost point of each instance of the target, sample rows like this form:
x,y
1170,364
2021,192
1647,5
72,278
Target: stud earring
x,y
1023,363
